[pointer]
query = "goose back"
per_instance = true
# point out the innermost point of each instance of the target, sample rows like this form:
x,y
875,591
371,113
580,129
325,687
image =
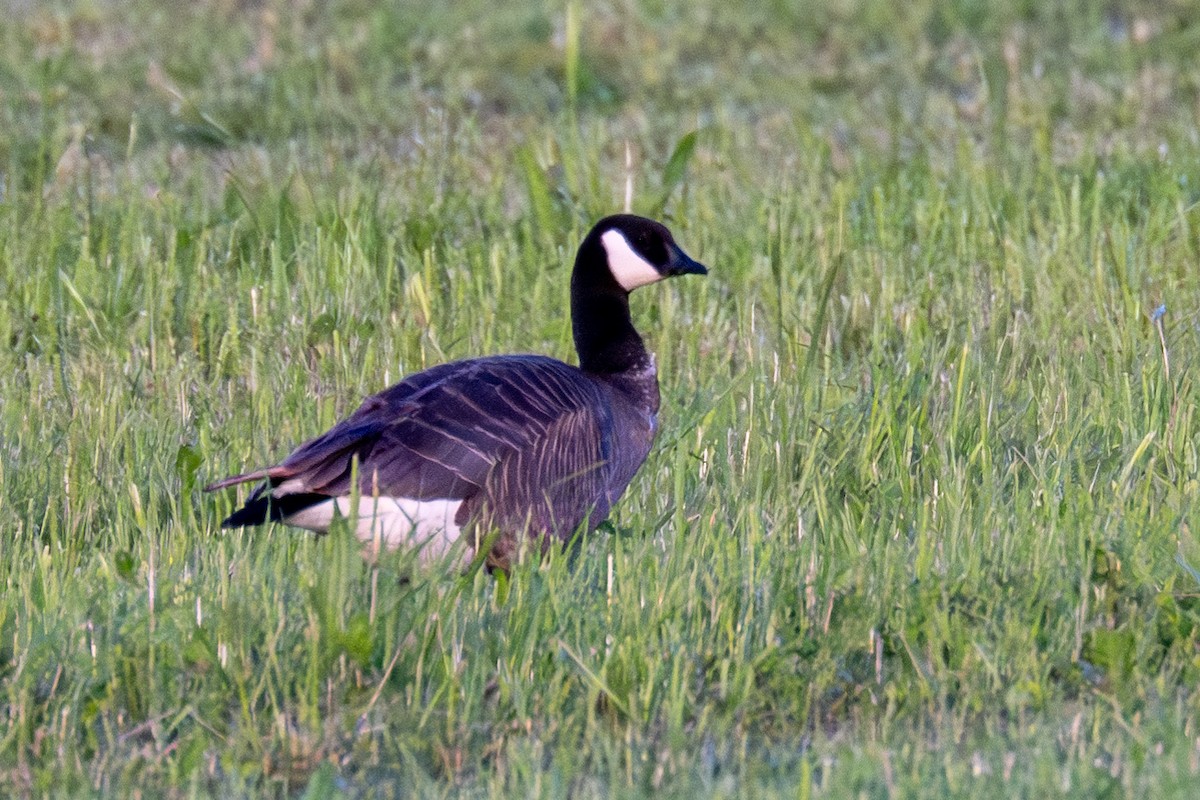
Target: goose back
x,y
522,444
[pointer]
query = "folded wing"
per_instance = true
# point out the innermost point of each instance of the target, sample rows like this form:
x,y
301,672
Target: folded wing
x,y
521,440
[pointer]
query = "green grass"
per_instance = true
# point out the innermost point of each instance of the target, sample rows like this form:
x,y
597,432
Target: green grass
x,y
921,519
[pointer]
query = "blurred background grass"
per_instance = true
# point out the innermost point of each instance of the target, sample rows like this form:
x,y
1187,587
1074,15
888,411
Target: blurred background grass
x,y
919,519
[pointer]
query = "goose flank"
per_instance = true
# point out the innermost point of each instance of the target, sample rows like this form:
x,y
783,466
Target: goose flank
x,y
523,445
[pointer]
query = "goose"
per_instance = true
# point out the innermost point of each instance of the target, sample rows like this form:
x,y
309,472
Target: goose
x,y
515,445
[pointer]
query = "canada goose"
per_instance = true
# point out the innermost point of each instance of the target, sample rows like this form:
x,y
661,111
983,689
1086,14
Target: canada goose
x,y
518,444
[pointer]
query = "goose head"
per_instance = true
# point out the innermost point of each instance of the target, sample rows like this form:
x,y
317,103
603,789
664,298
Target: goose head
x,y
636,251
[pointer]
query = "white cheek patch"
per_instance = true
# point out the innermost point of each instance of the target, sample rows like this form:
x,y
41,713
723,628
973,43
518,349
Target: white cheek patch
x,y
629,268
392,521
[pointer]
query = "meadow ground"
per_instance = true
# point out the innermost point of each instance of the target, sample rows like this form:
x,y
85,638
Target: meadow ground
x,y
919,520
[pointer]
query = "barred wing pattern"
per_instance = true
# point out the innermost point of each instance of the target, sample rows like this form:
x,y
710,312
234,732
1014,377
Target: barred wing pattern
x,y
524,441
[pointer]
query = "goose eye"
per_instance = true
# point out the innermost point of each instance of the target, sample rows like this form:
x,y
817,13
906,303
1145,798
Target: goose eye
x,y
653,248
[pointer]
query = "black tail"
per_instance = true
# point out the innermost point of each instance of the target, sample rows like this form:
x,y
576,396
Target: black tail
x,y
260,509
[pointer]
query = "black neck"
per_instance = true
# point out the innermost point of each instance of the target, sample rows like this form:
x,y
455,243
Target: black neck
x,y
604,335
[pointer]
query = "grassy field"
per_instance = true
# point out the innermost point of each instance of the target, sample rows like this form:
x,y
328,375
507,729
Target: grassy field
x,y
919,521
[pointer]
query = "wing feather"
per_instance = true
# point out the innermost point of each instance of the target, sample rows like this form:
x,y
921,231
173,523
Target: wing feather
x,y
553,487
515,436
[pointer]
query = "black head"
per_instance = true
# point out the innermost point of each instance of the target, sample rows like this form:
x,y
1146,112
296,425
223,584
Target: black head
x,y
638,251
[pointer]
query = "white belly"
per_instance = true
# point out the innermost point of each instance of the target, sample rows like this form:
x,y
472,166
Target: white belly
x,y
391,521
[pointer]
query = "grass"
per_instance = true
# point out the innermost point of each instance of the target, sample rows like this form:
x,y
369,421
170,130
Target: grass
x,y
919,522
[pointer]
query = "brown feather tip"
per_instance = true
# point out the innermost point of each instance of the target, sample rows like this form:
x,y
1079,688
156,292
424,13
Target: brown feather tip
x,y
234,480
